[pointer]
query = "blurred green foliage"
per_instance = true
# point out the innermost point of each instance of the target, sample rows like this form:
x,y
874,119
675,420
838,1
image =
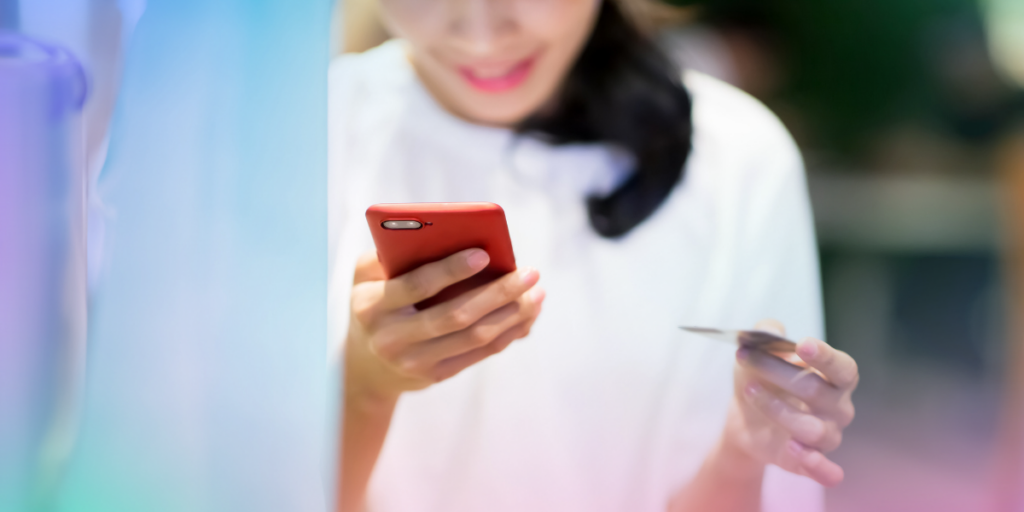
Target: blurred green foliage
x,y
854,67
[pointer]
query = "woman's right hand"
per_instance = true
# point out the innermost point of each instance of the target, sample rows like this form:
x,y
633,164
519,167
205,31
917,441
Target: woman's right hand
x,y
392,347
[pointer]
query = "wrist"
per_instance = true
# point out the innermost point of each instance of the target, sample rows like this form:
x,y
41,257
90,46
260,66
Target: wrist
x,y
729,479
367,400
360,389
730,462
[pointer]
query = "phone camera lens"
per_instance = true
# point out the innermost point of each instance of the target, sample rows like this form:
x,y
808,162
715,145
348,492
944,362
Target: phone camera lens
x,y
401,224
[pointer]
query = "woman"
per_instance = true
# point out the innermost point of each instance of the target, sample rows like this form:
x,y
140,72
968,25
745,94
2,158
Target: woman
x,y
648,201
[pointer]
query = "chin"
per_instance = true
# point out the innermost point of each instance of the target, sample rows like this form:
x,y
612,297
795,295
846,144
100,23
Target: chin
x,y
501,117
502,112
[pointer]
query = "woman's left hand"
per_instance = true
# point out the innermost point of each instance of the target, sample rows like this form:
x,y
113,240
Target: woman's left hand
x,y
785,415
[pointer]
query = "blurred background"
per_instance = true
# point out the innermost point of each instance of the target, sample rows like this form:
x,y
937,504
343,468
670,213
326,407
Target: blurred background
x,y
910,116
909,113
200,131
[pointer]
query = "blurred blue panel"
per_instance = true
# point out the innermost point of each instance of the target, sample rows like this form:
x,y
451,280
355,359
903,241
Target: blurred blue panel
x,y
206,366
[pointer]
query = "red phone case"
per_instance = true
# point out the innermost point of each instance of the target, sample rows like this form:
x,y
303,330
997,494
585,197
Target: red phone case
x,y
447,228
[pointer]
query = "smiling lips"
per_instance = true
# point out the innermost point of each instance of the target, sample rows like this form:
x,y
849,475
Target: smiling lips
x,y
506,81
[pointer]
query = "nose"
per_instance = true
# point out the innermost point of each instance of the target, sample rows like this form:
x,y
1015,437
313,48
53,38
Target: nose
x,y
480,25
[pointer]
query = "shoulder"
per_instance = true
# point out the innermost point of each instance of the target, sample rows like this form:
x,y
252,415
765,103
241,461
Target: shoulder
x,y
729,121
368,100
368,81
746,162
377,66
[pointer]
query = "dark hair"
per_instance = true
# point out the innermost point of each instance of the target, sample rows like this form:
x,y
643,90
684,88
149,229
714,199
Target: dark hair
x,y
623,90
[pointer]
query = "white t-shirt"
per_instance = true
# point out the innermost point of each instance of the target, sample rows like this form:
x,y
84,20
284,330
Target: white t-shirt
x,y
607,405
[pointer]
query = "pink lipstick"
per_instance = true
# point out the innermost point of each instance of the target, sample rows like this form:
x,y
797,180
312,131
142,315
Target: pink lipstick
x,y
509,80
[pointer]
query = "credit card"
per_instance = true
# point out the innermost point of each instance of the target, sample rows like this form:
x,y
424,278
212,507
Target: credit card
x,y
756,340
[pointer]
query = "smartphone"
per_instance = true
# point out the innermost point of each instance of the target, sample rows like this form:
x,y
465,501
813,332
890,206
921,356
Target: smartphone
x,y
410,235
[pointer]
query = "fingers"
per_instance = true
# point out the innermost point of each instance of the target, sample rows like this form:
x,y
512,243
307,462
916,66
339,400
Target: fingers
x,y
483,332
425,281
815,465
467,309
806,428
402,334
837,366
775,327
368,268
827,393
809,387
451,366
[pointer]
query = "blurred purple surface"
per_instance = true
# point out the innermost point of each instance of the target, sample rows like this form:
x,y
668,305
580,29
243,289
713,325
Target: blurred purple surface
x,y
42,262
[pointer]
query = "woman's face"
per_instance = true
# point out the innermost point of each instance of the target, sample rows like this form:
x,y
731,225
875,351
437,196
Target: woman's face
x,y
492,61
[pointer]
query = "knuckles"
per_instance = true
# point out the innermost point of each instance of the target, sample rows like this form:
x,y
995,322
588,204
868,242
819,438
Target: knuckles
x,y
457,320
409,366
852,377
493,348
364,308
511,287
768,404
834,441
440,375
846,414
521,332
817,433
385,346
391,337
388,344
812,388
455,269
478,337
418,284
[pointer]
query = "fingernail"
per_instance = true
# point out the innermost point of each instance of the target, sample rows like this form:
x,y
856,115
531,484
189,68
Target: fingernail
x,y
477,259
795,448
528,275
807,350
752,389
743,354
537,294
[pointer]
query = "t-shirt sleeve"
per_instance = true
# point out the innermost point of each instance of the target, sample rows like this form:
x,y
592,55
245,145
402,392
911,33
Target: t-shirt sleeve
x,y
350,103
777,248
343,222
784,280
777,259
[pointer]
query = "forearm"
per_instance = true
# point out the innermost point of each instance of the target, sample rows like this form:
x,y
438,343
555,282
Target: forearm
x,y
729,481
365,423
